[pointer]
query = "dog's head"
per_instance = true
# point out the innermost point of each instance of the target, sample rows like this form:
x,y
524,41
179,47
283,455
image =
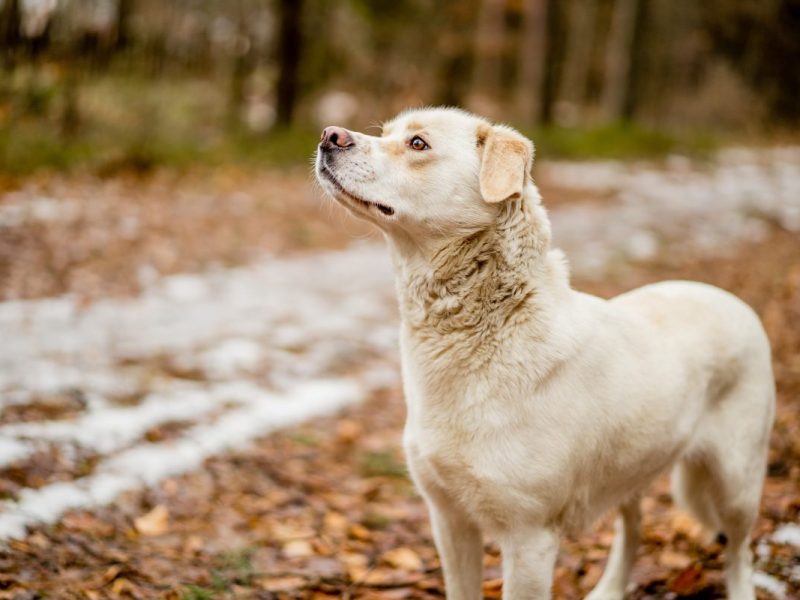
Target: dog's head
x,y
433,173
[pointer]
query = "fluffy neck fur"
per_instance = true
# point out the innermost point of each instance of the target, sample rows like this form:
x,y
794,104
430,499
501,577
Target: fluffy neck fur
x,y
460,300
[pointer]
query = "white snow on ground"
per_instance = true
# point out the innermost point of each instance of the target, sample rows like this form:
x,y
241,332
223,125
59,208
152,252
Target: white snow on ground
x,y
680,207
148,464
274,343
776,587
788,533
239,352
19,210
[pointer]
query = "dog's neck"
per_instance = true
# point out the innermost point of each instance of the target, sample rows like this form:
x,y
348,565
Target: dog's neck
x,y
463,292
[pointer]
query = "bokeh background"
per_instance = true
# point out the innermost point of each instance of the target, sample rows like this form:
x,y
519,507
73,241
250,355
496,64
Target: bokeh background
x,y
115,83
199,378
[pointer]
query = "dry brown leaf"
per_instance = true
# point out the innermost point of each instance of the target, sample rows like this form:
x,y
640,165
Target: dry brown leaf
x,y
298,549
689,580
359,532
335,523
492,585
355,565
403,558
348,431
673,560
155,522
282,584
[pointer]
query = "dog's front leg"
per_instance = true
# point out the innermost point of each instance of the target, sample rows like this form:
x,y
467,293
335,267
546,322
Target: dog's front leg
x,y
623,553
529,557
460,548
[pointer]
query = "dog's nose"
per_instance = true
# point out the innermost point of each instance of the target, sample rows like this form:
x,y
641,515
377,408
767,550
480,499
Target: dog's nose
x,y
336,137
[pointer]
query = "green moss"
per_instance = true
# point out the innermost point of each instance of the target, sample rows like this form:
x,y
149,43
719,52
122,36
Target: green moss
x,y
382,464
619,141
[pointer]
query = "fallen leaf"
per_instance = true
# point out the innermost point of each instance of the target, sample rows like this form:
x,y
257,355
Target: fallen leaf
x,y
403,558
154,522
683,523
348,430
688,581
493,588
359,532
335,523
355,565
298,549
673,560
289,583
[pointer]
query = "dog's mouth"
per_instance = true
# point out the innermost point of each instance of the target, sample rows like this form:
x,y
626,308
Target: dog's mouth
x,y
366,204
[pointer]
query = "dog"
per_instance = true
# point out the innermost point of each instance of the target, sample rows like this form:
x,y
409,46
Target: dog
x,y
533,408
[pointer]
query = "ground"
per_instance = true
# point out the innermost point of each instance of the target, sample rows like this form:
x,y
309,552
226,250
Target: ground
x,y
159,329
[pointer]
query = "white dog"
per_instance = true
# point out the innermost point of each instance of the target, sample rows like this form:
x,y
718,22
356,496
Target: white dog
x,y
534,408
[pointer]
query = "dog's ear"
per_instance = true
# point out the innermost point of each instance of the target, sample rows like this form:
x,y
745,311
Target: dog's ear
x,y
505,164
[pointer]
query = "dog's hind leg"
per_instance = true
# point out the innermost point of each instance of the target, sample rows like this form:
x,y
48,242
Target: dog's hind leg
x,y
720,478
725,502
623,554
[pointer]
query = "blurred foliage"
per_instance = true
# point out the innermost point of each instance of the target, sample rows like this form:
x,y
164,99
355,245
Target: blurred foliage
x,y
118,84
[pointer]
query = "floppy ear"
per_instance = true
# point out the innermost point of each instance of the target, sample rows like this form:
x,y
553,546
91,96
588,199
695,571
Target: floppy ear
x,y
506,162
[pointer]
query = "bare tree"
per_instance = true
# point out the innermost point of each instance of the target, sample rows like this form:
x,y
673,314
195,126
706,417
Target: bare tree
x,y
490,44
455,45
616,87
554,54
10,26
289,47
578,59
532,60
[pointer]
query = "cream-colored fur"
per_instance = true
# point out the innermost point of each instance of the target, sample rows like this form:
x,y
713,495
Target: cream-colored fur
x,y
534,408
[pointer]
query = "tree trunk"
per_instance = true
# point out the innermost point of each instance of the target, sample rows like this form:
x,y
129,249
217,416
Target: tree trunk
x,y
10,31
490,45
532,61
616,88
553,58
289,48
123,34
578,59
455,46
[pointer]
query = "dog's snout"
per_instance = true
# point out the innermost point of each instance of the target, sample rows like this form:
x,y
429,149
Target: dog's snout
x,y
336,137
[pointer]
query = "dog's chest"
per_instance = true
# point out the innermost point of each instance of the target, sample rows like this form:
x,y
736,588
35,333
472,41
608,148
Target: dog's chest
x,y
486,466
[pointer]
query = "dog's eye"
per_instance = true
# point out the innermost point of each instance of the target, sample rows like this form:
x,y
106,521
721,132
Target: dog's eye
x,y
417,143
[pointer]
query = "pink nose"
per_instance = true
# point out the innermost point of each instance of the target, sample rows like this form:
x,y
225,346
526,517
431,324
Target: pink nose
x,y
336,137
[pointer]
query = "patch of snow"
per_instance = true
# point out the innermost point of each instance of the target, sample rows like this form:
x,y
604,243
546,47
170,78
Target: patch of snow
x,y
689,209
232,357
776,588
110,428
147,464
788,534
16,212
12,450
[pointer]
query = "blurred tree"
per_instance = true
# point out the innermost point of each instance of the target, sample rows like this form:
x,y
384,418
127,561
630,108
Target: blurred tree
x,y
290,40
554,53
125,8
578,57
532,61
457,53
10,31
619,48
490,46
762,41
242,67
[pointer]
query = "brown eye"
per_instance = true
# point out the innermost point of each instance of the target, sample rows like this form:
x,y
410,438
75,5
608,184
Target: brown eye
x,y
417,143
